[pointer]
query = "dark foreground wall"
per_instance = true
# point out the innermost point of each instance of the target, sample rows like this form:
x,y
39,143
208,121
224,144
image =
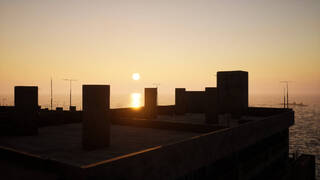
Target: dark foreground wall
x,y
235,153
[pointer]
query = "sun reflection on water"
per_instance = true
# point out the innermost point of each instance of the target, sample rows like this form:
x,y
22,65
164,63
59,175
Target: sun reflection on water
x,y
136,100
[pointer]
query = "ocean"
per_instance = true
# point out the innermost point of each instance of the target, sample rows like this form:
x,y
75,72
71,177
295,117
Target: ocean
x,y
304,134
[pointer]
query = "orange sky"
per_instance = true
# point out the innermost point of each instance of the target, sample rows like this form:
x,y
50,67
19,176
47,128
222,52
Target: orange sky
x,y
174,43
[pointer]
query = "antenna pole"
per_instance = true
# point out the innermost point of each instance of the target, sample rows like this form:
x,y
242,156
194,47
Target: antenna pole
x,y
287,86
284,98
70,81
287,95
51,94
70,92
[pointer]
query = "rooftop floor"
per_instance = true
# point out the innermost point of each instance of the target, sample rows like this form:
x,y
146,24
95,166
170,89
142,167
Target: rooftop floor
x,y
63,143
200,118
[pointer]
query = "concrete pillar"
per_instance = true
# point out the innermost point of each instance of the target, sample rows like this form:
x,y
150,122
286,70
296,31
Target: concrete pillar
x,y
211,108
180,101
150,102
95,123
26,98
59,109
72,108
232,92
26,105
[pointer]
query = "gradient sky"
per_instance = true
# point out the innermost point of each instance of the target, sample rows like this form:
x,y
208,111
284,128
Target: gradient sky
x,y
177,43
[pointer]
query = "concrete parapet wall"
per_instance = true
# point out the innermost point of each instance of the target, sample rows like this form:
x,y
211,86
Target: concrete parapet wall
x,y
199,128
177,159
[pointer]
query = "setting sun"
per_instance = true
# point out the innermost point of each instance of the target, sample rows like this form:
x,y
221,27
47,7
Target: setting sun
x,y
135,76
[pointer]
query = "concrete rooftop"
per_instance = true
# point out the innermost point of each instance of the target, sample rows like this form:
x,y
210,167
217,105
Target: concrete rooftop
x,y
63,143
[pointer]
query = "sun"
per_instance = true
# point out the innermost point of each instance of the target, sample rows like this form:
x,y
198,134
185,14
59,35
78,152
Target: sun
x,y
135,76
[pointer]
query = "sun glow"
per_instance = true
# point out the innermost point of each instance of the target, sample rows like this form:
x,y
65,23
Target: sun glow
x,y
135,100
135,76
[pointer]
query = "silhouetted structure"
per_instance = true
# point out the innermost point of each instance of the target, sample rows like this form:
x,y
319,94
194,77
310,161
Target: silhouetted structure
x,y
196,101
191,101
73,108
96,123
232,92
211,110
150,102
192,146
59,109
26,98
180,101
26,106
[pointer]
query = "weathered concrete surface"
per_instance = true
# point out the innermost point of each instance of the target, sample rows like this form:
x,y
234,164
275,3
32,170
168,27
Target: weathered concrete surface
x,y
189,155
168,125
178,158
63,143
96,123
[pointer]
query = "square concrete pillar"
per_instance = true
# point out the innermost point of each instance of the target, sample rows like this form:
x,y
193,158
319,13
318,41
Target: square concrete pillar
x,y
211,108
73,108
27,108
26,98
232,92
180,101
95,123
150,102
59,109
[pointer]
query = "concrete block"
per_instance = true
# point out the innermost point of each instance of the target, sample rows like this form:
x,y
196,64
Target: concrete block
x,y
211,108
150,102
27,108
73,108
59,109
180,101
26,98
96,123
232,92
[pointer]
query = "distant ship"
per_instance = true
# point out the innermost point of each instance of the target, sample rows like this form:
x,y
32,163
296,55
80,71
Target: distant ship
x,y
296,104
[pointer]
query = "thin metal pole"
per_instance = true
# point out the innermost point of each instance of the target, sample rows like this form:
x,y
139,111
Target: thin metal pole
x,y
70,81
284,98
51,94
70,92
287,95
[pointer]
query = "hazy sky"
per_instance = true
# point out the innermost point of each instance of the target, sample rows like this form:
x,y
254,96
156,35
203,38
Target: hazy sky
x,y
177,43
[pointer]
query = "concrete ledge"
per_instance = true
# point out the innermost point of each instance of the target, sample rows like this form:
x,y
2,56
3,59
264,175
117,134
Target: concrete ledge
x,y
188,155
171,160
199,128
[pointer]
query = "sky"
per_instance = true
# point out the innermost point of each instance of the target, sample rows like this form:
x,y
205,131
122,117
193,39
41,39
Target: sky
x,y
174,43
